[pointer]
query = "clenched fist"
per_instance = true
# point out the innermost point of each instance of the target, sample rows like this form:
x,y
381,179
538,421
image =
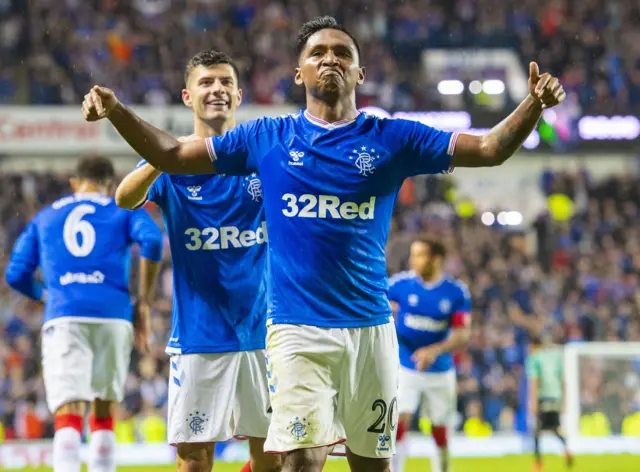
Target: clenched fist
x,y
99,103
545,88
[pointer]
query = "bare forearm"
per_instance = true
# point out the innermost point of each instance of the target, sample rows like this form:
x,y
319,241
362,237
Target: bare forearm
x,y
134,188
148,277
459,338
508,136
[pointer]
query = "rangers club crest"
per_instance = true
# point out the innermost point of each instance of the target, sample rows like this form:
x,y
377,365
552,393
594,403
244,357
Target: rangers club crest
x,y
254,187
364,159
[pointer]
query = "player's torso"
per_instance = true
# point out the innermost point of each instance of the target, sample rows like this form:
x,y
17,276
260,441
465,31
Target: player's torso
x,y
423,319
329,196
84,256
218,243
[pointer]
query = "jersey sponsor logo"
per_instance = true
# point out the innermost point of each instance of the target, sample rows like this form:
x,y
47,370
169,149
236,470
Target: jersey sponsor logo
x,y
96,277
296,158
425,323
326,206
254,187
225,237
364,159
194,189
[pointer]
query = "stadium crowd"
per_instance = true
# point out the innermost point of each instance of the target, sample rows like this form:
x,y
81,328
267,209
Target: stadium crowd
x,y
575,279
52,51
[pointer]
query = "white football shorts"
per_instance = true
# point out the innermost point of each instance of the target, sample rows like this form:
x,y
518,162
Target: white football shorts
x,y
216,397
333,385
436,391
85,360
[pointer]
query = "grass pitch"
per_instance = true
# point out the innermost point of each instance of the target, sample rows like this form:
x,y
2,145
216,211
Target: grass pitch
x,y
605,463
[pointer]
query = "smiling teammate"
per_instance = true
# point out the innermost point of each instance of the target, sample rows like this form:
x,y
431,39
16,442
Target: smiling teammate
x,y
217,386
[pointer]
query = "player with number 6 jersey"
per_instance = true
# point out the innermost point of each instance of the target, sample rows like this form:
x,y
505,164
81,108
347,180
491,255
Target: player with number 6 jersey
x,y
82,245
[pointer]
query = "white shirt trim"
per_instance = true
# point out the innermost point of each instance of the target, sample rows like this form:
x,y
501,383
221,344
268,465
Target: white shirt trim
x,y
325,124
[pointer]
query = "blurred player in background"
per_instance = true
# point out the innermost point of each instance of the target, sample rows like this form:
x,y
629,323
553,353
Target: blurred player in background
x,y
544,367
218,383
82,245
432,321
330,176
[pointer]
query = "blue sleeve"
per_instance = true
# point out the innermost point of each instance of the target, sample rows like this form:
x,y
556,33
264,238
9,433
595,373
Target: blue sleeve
x,y
425,150
240,150
24,260
463,303
394,289
144,231
155,191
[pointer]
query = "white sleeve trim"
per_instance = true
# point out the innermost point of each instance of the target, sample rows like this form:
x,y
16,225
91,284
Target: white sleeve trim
x,y
210,149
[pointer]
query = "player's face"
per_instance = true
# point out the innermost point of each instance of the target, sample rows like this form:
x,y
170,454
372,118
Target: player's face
x,y
329,65
419,258
212,92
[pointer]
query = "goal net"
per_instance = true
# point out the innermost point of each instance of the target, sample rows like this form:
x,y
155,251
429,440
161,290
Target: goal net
x,y
603,397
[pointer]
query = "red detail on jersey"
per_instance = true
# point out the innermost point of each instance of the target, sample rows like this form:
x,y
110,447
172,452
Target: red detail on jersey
x,y
461,319
247,467
100,424
439,434
68,421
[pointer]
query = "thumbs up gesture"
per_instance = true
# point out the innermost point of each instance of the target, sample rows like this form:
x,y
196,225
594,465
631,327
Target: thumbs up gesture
x,y
99,103
545,88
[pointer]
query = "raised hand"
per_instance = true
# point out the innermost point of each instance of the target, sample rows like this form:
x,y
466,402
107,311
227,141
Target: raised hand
x,y
99,103
545,88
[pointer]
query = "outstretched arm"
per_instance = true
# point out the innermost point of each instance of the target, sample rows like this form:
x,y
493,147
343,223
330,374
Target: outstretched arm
x,y
508,136
158,148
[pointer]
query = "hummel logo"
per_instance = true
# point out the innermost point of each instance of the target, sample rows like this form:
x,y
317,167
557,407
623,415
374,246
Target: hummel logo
x,y
194,189
296,157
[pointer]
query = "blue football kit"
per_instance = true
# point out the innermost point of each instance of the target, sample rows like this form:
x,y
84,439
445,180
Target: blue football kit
x,y
426,314
82,244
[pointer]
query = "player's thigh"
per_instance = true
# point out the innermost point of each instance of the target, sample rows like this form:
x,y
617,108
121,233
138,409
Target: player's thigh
x,y
440,396
112,344
66,363
251,406
368,391
202,388
409,391
302,387
194,457
367,464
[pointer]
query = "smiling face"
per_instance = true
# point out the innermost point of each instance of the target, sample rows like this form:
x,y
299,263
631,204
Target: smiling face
x,y
212,92
329,66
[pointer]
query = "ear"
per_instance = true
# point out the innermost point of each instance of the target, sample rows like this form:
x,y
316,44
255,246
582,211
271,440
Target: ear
x,y
239,97
186,98
75,183
298,77
361,75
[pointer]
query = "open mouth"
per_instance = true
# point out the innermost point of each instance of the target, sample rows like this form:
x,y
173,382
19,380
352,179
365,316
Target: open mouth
x,y
217,104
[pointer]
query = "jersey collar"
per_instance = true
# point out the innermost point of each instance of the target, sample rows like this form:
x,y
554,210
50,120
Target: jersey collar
x,y
428,285
325,124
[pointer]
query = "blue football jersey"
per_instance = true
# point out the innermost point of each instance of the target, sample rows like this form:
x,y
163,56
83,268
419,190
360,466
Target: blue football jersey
x,y
426,314
82,244
218,237
329,192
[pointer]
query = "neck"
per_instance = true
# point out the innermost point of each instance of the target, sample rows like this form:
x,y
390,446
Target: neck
x,y
332,111
431,277
206,129
90,187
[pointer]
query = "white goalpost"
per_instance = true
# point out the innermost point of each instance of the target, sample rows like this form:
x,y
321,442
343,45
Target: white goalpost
x,y
602,387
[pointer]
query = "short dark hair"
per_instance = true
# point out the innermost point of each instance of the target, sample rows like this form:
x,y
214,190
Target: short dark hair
x,y
436,247
208,59
96,168
318,24
536,341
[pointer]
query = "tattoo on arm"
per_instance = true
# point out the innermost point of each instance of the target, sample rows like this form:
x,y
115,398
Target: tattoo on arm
x,y
507,136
